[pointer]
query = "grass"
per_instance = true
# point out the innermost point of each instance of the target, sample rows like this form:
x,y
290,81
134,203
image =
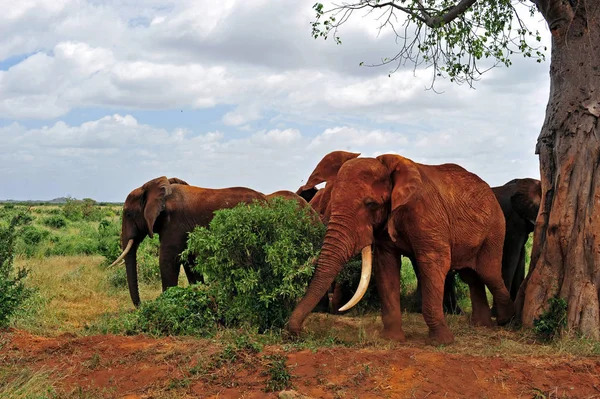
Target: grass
x,y
24,383
73,292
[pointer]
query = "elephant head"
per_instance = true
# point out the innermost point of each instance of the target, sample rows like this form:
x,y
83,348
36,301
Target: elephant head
x,y
527,198
366,198
140,212
325,172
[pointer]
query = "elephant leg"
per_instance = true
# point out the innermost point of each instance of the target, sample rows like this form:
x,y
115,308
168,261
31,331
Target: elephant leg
x,y
387,277
450,302
416,298
336,298
188,267
489,270
519,276
481,314
169,266
434,266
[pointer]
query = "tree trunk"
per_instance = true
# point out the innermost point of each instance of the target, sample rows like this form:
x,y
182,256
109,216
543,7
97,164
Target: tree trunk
x,y
566,250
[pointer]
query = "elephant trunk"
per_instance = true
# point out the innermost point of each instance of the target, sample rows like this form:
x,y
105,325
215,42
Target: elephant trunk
x,y
132,277
337,249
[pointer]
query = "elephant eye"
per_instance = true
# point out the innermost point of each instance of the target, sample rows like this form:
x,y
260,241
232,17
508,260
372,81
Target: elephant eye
x,y
372,204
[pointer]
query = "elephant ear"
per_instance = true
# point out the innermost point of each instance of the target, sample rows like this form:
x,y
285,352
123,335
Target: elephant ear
x,y
156,191
527,198
406,181
327,169
175,180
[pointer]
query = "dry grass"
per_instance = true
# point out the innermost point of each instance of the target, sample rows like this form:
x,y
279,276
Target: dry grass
x,y
26,384
72,292
478,341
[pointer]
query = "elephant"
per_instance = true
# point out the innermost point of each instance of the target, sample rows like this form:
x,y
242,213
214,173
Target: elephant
x,y
289,196
171,208
326,172
442,216
520,202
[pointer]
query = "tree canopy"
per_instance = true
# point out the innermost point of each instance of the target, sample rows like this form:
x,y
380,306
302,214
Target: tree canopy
x,y
459,40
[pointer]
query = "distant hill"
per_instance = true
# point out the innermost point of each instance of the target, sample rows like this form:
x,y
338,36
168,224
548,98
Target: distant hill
x,y
55,201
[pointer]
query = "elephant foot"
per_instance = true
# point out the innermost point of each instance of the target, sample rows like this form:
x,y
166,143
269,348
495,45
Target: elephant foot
x,y
393,334
506,315
439,337
481,321
294,329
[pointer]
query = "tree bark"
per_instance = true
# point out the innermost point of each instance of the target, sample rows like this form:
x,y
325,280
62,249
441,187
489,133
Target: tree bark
x,y
566,249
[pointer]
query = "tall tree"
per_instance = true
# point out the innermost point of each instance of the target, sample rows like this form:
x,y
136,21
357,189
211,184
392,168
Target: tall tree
x,y
455,38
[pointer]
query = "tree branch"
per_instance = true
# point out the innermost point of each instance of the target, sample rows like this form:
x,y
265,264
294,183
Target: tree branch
x,y
424,16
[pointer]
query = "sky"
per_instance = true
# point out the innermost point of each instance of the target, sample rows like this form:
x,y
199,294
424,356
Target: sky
x,y
99,96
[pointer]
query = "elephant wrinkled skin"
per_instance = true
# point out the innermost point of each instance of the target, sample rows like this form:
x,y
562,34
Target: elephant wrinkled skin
x,y
442,216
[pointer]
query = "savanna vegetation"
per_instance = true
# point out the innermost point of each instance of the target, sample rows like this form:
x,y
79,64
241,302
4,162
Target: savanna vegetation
x,y
255,261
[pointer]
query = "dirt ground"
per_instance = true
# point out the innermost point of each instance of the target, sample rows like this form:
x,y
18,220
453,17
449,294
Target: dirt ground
x,y
131,367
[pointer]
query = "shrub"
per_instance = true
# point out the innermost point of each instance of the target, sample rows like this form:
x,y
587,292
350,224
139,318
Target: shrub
x,y
279,375
108,240
55,221
12,288
179,311
551,323
32,235
349,279
258,260
72,210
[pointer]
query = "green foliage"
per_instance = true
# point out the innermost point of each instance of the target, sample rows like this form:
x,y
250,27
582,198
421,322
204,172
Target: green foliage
x,y
279,375
453,45
552,322
349,279
32,235
108,240
258,260
13,292
86,209
55,221
179,311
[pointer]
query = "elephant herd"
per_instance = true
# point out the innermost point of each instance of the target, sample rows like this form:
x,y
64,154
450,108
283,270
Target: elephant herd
x,y
442,217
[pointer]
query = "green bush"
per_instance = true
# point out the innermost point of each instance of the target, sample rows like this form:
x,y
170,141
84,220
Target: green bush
x,y
349,279
257,260
55,221
86,209
12,287
552,322
109,244
32,235
179,311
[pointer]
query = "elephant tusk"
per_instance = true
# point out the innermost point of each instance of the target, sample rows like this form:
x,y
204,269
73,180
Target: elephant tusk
x,y
365,277
125,252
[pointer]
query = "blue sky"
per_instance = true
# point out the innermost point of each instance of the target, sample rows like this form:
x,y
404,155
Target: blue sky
x,y
97,97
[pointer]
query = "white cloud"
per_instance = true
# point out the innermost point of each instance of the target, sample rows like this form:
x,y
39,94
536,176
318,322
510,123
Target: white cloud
x,y
112,155
289,98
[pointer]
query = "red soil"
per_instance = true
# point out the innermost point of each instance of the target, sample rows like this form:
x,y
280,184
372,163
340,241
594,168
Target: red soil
x,y
141,367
